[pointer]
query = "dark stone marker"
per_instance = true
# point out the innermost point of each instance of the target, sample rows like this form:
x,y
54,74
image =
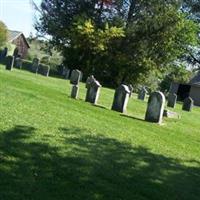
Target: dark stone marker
x,y
93,90
18,63
172,100
10,62
155,108
188,104
89,80
74,92
142,94
65,72
75,77
43,70
121,98
35,65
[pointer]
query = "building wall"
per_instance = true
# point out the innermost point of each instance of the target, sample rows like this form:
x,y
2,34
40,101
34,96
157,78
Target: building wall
x,y
195,94
21,45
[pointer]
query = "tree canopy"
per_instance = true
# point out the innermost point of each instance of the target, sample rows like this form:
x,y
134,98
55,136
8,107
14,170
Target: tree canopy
x,y
3,34
119,40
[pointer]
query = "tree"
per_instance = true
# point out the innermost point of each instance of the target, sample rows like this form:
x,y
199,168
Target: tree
x,y
175,74
155,34
3,34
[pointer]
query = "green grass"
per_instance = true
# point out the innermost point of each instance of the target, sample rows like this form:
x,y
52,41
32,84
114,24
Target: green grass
x,y
54,147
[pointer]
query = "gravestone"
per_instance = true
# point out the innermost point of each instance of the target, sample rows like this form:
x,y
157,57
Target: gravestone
x,y
188,104
4,53
142,93
89,80
155,108
65,72
18,63
93,90
35,65
131,89
43,70
10,62
74,92
75,77
74,80
172,100
121,98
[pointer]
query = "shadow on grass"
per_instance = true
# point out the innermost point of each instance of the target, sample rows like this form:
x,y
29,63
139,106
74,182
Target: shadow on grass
x,y
89,167
131,117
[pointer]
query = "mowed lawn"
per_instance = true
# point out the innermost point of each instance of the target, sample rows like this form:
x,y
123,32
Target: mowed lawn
x,y
54,147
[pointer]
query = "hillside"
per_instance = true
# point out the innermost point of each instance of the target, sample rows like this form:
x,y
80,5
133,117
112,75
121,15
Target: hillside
x,y
54,147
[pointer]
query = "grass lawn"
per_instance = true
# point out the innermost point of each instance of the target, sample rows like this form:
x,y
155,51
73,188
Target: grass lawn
x,y
54,147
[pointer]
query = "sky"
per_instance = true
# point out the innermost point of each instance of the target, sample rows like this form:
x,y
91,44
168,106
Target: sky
x,y
18,15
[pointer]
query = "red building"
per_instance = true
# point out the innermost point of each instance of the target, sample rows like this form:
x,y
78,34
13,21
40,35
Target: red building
x,y
17,38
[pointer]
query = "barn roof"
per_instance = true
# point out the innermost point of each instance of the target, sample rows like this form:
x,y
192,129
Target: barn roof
x,y
15,34
196,79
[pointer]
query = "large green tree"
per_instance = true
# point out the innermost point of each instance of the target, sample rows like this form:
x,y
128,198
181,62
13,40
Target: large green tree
x,y
3,34
155,34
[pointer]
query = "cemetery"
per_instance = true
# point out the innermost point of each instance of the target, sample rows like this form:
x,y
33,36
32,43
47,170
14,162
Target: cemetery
x,y
58,137
99,100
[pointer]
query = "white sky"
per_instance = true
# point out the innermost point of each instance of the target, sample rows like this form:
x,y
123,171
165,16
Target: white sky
x,y
18,15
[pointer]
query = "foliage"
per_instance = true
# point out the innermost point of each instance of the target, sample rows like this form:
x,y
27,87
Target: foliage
x,y
3,34
153,34
44,51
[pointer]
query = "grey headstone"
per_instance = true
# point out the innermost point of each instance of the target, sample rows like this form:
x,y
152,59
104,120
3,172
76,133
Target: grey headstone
x,y
35,65
93,90
155,108
66,73
18,63
142,93
74,92
43,70
10,62
89,80
172,100
188,104
121,98
75,77
131,89
4,53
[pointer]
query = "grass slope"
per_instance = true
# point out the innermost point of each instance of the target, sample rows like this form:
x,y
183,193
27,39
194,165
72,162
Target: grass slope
x,y
54,147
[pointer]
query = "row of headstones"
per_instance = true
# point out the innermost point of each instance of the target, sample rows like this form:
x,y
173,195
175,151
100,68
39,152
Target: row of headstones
x,y
36,67
156,102
188,102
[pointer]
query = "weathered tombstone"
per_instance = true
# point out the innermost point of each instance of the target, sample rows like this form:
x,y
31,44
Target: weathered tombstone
x,y
155,108
75,77
10,62
172,100
18,63
131,89
43,69
74,80
4,53
93,90
35,65
89,80
121,98
188,104
66,73
74,92
142,93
